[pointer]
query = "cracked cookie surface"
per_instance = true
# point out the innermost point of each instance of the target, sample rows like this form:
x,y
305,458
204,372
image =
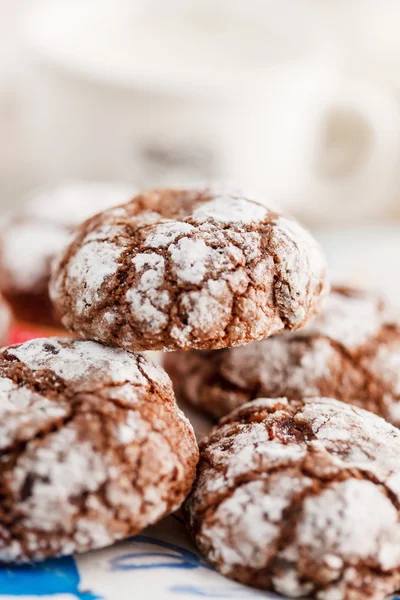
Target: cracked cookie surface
x,y
349,351
31,238
188,269
93,447
301,497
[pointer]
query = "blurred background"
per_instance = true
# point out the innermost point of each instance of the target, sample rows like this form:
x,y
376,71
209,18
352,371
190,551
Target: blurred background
x,y
298,100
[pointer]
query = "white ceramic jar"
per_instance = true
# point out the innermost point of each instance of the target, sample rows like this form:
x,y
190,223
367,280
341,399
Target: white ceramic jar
x,y
152,92
160,92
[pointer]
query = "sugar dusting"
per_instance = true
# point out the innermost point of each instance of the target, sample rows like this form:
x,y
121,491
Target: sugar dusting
x,y
70,203
249,450
276,362
341,521
23,412
350,319
92,264
353,520
163,234
27,249
128,431
73,359
245,526
207,311
355,330
189,258
205,277
61,468
71,490
302,268
146,301
354,438
227,209
31,239
87,364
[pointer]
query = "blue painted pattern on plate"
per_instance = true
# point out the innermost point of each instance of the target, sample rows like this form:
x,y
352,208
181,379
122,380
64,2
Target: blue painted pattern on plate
x,y
53,576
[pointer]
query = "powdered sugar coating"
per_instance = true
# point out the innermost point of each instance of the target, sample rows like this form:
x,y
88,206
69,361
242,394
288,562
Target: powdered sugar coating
x,y
228,209
300,519
23,412
78,361
27,249
43,228
93,445
72,202
195,270
352,317
266,367
295,269
189,258
166,233
146,302
92,264
369,524
350,351
243,516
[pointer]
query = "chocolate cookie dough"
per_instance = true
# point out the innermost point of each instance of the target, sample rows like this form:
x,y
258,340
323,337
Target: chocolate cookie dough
x,y
30,239
349,351
301,497
93,447
188,269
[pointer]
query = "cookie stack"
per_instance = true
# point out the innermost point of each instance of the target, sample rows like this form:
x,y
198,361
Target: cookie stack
x,y
295,491
349,351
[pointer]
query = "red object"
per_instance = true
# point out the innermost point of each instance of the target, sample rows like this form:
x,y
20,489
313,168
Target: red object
x,y
22,332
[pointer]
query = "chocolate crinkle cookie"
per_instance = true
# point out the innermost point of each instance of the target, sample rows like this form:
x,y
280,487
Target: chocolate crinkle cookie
x,y
349,351
188,269
33,236
92,446
301,497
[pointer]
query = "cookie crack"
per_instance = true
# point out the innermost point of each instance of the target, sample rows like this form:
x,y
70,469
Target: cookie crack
x,y
367,375
292,513
131,238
